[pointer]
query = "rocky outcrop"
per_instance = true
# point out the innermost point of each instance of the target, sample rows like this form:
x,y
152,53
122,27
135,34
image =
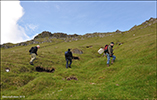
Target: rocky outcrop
x,y
72,78
118,31
133,28
151,20
77,51
144,24
46,36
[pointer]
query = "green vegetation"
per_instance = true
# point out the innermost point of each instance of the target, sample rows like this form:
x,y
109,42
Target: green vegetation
x,y
132,76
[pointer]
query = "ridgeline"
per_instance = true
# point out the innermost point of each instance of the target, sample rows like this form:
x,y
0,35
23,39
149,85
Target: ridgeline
x,y
132,76
48,37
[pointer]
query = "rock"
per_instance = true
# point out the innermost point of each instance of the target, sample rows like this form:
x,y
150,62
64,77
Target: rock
x,y
72,78
118,31
152,19
22,44
133,28
155,21
7,69
77,51
43,35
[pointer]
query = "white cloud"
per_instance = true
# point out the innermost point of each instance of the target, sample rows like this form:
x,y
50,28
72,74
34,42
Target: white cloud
x,y
11,12
31,27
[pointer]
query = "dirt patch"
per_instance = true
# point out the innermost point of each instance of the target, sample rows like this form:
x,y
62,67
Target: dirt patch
x,y
77,51
89,46
72,78
42,69
119,43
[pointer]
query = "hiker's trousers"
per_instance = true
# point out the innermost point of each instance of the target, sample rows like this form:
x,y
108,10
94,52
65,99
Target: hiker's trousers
x,y
67,60
108,58
33,56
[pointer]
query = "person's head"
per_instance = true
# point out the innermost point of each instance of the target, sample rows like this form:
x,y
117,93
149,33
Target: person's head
x,y
38,46
112,44
68,49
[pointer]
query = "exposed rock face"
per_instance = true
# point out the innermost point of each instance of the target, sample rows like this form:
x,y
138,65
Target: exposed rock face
x,y
46,36
56,35
118,31
133,28
145,24
72,78
77,51
149,22
152,19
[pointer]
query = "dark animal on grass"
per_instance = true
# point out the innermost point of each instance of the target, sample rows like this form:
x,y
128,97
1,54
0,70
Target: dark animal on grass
x,y
76,58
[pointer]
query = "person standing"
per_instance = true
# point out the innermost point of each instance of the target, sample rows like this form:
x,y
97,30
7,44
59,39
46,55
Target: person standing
x,y
109,54
33,52
68,57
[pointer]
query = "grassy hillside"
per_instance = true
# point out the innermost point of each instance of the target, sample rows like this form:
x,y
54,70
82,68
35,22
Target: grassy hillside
x,y
132,76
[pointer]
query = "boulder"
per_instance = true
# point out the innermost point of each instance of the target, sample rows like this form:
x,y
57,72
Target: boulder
x,y
77,51
72,78
118,31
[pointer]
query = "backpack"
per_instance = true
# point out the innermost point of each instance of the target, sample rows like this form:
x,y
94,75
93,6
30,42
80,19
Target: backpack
x,y
31,49
66,54
106,48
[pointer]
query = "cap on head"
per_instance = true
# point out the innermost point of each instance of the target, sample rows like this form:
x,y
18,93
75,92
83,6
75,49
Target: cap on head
x,y
38,46
112,42
68,49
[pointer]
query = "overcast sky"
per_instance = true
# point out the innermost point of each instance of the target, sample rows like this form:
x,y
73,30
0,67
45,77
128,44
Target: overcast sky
x,y
22,20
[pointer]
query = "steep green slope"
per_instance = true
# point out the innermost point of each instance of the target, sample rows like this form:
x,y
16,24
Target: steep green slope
x,y
132,76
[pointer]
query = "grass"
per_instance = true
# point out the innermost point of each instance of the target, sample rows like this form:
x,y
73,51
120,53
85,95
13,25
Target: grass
x,y
132,76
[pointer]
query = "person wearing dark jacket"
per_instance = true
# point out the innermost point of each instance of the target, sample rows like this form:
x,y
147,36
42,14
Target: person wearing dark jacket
x,y
110,54
68,57
33,52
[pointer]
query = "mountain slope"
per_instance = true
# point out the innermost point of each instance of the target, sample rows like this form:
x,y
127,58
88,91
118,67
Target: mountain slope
x,y
132,76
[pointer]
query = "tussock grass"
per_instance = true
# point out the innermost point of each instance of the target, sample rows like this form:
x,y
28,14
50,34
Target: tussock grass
x,y
132,76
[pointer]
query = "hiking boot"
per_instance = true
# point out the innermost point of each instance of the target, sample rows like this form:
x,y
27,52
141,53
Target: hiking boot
x,y
31,63
69,66
108,65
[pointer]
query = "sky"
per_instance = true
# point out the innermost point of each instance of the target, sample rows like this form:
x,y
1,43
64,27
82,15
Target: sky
x,y
23,20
